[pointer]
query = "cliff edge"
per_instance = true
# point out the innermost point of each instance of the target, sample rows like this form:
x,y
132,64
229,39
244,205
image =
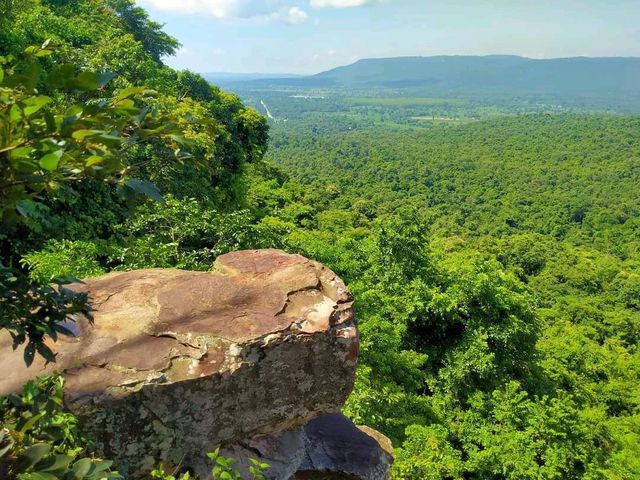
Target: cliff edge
x,y
258,356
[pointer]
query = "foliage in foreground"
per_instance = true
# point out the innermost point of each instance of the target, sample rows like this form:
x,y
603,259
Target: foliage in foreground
x,y
44,148
42,441
88,135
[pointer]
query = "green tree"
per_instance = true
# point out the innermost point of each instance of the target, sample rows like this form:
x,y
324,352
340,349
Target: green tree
x,y
44,148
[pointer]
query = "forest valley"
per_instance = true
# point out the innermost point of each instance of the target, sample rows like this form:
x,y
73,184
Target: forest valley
x,y
494,258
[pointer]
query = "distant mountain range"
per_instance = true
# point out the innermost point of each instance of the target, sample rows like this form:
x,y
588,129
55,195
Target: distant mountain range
x,y
606,81
494,72
230,77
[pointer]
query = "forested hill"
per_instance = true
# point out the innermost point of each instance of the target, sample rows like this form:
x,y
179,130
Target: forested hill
x,y
495,73
608,83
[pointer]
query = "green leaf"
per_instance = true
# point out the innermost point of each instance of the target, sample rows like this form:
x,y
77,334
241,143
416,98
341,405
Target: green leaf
x,y
213,455
34,104
81,468
15,113
93,160
21,152
27,78
1,74
62,76
30,423
103,465
56,462
82,134
42,476
25,165
225,461
44,53
49,162
86,81
91,80
33,455
105,77
126,104
50,121
32,75
147,132
128,92
148,189
181,140
110,141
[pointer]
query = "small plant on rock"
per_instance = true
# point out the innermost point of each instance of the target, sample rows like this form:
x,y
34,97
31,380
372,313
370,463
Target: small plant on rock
x,y
40,441
223,468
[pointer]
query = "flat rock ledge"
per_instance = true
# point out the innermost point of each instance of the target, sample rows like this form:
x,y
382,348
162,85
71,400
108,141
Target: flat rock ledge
x,y
178,362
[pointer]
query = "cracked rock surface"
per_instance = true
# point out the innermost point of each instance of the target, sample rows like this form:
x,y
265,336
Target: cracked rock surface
x,y
179,362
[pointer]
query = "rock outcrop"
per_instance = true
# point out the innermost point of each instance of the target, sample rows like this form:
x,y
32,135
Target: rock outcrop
x,y
177,362
328,447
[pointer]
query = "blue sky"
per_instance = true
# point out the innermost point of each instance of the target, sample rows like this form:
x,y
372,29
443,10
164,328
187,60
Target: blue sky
x,y
309,36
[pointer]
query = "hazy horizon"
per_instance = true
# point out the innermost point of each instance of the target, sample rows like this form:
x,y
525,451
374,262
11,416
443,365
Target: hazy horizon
x,y
293,74
311,36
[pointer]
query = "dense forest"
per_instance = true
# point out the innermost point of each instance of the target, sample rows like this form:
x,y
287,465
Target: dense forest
x,y
510,303
494,258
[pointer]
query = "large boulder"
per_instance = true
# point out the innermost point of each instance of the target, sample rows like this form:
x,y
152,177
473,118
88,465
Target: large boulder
x,y
178,362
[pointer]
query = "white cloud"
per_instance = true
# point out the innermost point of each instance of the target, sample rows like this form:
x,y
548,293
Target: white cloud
x,y
267,9
296,16
340,3
218,8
